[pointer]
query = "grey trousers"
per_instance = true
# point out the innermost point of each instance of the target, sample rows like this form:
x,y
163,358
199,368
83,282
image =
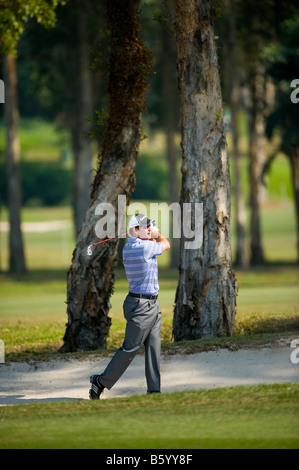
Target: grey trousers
x,y
143,318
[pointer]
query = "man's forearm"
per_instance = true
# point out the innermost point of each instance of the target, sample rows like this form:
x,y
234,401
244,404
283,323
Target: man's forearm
x,y
160,238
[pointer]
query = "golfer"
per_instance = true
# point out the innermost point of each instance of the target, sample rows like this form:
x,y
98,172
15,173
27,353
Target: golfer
x,y
141,307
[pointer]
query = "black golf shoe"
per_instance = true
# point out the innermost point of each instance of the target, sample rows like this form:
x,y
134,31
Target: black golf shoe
x,y
96,388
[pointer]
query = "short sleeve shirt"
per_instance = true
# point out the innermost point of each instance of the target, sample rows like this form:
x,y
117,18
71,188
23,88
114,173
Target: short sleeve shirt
x,y
139,257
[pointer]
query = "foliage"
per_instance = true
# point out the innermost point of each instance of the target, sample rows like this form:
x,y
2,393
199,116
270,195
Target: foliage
x,y
283,65
130,64
15,13
152,179
42,183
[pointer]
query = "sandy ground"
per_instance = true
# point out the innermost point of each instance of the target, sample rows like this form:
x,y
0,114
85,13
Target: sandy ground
x,y
69,379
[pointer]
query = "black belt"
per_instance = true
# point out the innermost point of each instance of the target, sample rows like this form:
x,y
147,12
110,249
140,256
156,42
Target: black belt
x,y
143,296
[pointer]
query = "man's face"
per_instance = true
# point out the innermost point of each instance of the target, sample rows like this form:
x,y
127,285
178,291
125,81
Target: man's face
x,y
143,232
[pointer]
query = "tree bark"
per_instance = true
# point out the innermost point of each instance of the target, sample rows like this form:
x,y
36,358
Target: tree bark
x,y
232,85
257,158
80,84
91,279
16,248
206,292
170,119
83,165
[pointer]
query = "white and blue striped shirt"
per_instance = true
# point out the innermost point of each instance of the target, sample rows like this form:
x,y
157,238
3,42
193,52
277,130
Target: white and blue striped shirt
x,y
139,257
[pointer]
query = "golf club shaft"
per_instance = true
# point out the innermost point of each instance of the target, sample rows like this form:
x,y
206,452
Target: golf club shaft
x,y
107,240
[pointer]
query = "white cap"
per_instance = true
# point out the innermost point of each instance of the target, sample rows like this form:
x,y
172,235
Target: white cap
x,y
139,220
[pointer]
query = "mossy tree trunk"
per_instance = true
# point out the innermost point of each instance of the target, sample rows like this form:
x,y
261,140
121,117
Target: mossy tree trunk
x,y
90,279
206,292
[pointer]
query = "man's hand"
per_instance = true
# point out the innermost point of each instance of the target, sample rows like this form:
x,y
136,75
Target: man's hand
x,y
154,232
157,237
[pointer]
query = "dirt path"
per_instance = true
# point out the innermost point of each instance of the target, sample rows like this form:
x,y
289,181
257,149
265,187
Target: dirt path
x,y
39,227
69,379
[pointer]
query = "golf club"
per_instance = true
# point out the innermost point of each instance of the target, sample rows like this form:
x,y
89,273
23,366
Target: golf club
x,y
89,252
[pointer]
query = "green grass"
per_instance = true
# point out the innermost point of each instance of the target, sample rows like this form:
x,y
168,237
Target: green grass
x,y
45,250
278,227
260,417
32,325
33,309
279,178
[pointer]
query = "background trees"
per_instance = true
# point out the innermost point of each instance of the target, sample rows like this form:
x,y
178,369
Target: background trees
x,y
248,32
16,255
13,17
63,78
281,57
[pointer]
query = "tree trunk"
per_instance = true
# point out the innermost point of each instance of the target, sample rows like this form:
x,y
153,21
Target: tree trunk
x,y
90,279
16,248
257,158
240,256
206,292
294,160
232,85
80,125
170,105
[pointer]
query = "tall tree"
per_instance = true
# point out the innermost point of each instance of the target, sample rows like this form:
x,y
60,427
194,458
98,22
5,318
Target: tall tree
x,y
17,262
59,61
13,16
170,110
258,25
206,292
256,155
81,108
251,34
91,279
232,87
283,65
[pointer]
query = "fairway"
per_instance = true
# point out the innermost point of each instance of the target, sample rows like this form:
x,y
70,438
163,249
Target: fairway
x,y
149,228
260,417
33,309
32,322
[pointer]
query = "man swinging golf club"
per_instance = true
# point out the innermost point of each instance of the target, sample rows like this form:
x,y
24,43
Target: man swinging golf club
x,y
141,307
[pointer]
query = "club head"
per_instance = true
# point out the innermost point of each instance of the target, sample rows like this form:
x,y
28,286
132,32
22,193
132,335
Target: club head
x,y
89,252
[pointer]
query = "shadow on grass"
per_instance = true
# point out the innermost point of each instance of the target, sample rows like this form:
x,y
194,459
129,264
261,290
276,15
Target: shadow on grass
x,y
37,275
